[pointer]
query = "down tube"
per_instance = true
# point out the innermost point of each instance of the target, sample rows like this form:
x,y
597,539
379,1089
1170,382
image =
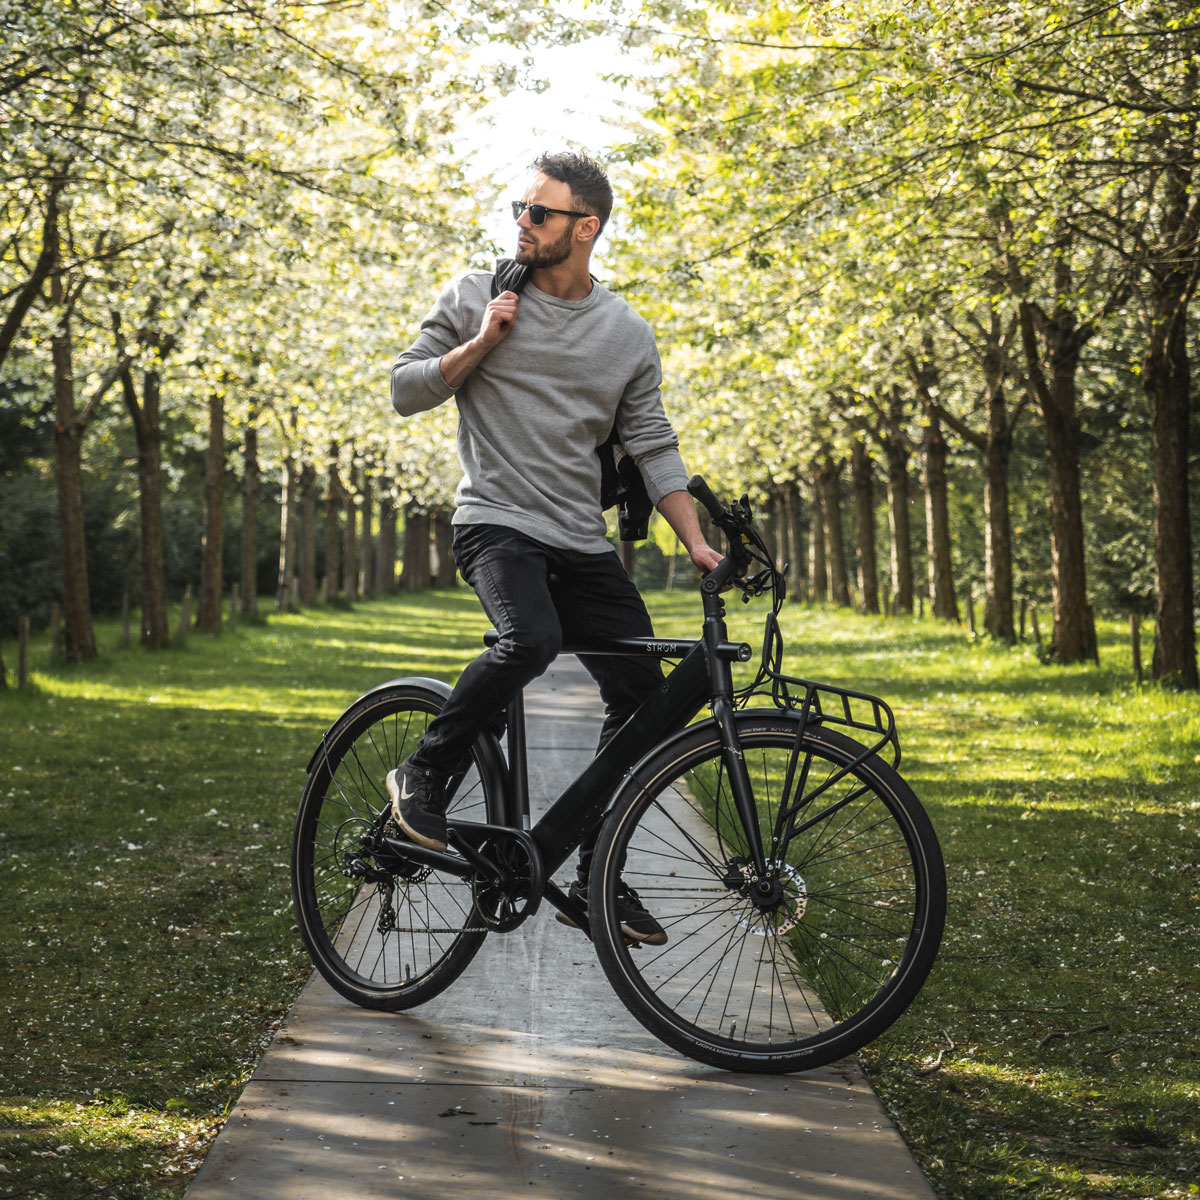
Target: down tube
x,y
667,709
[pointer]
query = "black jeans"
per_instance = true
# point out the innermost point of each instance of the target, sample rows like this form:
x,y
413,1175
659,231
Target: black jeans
x,y
590,597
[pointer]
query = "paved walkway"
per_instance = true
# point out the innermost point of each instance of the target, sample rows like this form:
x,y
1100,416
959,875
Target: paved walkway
x,y
529,1078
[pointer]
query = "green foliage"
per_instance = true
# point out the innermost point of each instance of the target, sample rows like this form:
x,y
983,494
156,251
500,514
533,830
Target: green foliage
x,y
1054,1050
148,946
828,196
148,807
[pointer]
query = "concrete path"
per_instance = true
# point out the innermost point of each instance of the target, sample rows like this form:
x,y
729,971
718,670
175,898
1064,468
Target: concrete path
x,y
528,1077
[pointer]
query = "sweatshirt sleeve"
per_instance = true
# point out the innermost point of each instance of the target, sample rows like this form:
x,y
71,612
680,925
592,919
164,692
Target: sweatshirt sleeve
x,y
645,431
417,383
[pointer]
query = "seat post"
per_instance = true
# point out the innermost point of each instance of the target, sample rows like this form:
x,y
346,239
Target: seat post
x,y
517,814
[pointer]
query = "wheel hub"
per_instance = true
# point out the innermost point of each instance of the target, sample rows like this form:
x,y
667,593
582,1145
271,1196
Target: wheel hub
x,y
777,901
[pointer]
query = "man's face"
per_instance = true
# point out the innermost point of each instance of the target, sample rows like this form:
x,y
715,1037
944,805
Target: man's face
x,y
548,244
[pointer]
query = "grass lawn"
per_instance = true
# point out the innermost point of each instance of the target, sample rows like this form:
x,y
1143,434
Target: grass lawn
x,y
148,946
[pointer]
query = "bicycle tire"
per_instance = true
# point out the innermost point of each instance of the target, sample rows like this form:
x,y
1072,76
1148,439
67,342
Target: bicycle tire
x,y
377,959
861,899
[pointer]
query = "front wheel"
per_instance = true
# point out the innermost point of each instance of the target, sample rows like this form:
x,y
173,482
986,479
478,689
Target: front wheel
x,y
789,972
385,931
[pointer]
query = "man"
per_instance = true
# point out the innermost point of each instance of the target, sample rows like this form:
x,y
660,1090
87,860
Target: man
x,y
539,380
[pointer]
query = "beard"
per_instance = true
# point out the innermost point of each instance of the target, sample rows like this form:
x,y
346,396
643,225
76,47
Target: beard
x,y
548,255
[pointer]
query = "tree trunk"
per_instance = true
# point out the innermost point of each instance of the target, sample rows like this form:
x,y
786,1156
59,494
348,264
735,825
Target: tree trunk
x,y
996,448
778,540
1166,378
350,537
49,260
287,537
796,578
830,482
68,436
367,542
385,570
208,612
818,568
250,519
1074,637
863,479
896,455
333,533
415,575
443,538
308,534
144,414
937,522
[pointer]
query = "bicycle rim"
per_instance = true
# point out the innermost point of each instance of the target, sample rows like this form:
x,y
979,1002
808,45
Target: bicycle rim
x,y
848,938
395,940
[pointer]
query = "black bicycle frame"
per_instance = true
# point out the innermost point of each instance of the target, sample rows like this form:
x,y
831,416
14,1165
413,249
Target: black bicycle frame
x,y
703,676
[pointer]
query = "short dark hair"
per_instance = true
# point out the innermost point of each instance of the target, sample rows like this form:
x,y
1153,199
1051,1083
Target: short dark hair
x,y
585,177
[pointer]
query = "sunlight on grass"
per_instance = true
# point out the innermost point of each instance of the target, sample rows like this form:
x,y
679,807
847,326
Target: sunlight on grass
x,y
149,949
1062,1015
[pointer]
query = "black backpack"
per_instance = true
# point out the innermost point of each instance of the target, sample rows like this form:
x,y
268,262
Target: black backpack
x,y
621,483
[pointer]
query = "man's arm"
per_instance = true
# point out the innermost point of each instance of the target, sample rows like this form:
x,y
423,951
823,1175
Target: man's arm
x,y
498,319
437,364
679,509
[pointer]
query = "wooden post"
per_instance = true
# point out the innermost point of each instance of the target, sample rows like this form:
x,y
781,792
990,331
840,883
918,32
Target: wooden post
x,y
22,652
1037,633
185,615
235,600
1023,603
921,608
1135,643
970,610
56,630
124,619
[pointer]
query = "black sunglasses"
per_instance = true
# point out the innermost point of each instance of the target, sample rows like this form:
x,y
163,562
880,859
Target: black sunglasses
x,y
539,212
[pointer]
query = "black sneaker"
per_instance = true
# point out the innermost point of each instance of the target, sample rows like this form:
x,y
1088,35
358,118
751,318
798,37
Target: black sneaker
x,y
419,804
636,921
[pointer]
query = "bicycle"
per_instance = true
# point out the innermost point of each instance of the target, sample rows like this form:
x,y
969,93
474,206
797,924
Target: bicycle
x,y
798,877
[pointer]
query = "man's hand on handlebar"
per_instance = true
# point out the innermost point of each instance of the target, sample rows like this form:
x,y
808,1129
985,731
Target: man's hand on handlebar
x,y
706,558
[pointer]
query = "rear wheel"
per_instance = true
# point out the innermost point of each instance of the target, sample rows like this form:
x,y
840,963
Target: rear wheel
x,y
799,968
384,930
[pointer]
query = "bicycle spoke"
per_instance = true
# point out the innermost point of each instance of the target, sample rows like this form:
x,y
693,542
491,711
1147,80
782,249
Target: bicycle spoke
x,y
771,968
383,929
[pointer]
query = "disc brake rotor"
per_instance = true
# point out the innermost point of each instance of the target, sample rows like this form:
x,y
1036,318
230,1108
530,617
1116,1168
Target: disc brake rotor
x,y
779,917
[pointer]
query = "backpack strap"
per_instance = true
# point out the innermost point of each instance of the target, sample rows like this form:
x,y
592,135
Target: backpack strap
x,y
510,276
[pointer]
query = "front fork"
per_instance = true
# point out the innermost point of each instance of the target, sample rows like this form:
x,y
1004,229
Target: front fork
x,y
720,665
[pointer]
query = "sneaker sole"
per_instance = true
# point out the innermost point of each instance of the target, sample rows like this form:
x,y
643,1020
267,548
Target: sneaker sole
x,y
646,939
393,790
631,935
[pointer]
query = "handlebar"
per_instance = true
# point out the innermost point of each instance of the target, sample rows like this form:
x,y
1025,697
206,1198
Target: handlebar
x,y
734,564
702,492
745,547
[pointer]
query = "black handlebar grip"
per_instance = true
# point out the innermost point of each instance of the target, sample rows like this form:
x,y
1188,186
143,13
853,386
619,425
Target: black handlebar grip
x,y
702,492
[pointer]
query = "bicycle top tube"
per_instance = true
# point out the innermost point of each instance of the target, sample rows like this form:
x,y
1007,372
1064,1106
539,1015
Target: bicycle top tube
x,y
656,647
636,646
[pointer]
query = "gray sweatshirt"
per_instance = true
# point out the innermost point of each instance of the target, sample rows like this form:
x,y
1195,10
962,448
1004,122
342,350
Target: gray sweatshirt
x,y
533,412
